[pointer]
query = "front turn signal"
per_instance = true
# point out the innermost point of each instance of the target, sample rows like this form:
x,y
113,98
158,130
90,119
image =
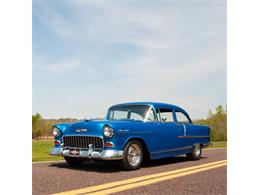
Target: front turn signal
x,y
109,144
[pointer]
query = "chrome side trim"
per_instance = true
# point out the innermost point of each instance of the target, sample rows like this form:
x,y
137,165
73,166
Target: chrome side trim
x,y
184,129
123,130
193,136
172,150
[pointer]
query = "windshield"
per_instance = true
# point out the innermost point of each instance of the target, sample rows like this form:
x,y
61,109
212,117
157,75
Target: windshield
x,y
131,112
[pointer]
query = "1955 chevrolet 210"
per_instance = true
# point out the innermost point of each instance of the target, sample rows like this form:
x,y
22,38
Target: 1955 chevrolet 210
x,y
131,133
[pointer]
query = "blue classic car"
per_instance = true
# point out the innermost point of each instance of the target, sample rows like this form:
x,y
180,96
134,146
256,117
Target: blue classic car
x,y
131,133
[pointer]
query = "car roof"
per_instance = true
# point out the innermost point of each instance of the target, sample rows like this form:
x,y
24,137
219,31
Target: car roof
x,y
154,104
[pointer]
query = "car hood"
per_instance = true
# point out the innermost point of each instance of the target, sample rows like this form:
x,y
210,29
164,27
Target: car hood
x,y
93,127
85,128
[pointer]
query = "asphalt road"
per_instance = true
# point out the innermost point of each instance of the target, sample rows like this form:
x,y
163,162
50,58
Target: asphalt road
x,y
165,176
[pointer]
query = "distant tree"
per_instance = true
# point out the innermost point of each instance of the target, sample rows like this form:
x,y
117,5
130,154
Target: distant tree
x,y
217,121
35,119
36,130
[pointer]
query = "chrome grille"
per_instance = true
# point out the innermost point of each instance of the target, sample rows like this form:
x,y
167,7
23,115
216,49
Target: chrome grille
x,y
82,142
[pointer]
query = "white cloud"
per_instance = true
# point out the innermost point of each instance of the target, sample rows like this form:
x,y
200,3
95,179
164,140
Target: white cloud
x,y
57,68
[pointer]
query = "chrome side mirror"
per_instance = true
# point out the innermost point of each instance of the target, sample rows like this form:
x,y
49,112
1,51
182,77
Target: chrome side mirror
x,y
164,118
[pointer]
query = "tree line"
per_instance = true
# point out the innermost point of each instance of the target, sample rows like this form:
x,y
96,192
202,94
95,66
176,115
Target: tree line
x,y
43,127
216,120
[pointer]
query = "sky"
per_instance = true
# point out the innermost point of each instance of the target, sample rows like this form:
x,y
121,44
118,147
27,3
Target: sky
x,y
90,54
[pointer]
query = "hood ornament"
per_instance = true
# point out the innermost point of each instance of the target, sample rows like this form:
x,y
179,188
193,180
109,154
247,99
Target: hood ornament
x,y
81,130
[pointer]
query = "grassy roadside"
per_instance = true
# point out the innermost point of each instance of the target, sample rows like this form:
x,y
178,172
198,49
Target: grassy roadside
x,y
220,144
41,148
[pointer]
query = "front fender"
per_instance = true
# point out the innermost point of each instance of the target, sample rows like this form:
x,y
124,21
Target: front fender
x,y
62,127
133,138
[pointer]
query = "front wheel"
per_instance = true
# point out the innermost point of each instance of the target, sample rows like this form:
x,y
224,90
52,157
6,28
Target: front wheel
x,y
196,153
133,156
73,160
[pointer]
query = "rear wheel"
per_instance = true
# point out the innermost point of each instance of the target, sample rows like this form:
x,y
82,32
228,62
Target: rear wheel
x,y
73,161
196,153
133,156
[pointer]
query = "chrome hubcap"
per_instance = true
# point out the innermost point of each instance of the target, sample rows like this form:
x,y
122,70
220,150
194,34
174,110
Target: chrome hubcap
x,y
134,155
197,149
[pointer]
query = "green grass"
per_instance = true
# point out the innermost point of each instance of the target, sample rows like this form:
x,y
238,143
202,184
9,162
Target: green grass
x,y
220,144
41,149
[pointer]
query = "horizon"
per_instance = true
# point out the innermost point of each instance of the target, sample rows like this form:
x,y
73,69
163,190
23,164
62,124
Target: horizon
x,y
102,118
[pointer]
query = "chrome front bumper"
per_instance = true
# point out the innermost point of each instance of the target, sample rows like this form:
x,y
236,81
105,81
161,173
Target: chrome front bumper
x,y
91,154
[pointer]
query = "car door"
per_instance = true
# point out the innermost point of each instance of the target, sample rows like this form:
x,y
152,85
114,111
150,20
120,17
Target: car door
x,y
183,120
168,131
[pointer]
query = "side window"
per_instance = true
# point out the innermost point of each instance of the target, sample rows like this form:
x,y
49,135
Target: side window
x,y
166,115
181,118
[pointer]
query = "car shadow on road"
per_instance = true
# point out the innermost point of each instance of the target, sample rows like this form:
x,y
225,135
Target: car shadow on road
x,y
91,166
114,166
165,161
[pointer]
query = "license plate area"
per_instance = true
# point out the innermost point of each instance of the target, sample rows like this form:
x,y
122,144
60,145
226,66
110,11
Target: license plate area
x,y
74,151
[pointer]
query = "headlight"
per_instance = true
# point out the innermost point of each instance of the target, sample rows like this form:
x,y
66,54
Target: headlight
x,y
108,131
55,132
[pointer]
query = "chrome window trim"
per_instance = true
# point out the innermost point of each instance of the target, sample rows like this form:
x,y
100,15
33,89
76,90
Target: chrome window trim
x,y
186,115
